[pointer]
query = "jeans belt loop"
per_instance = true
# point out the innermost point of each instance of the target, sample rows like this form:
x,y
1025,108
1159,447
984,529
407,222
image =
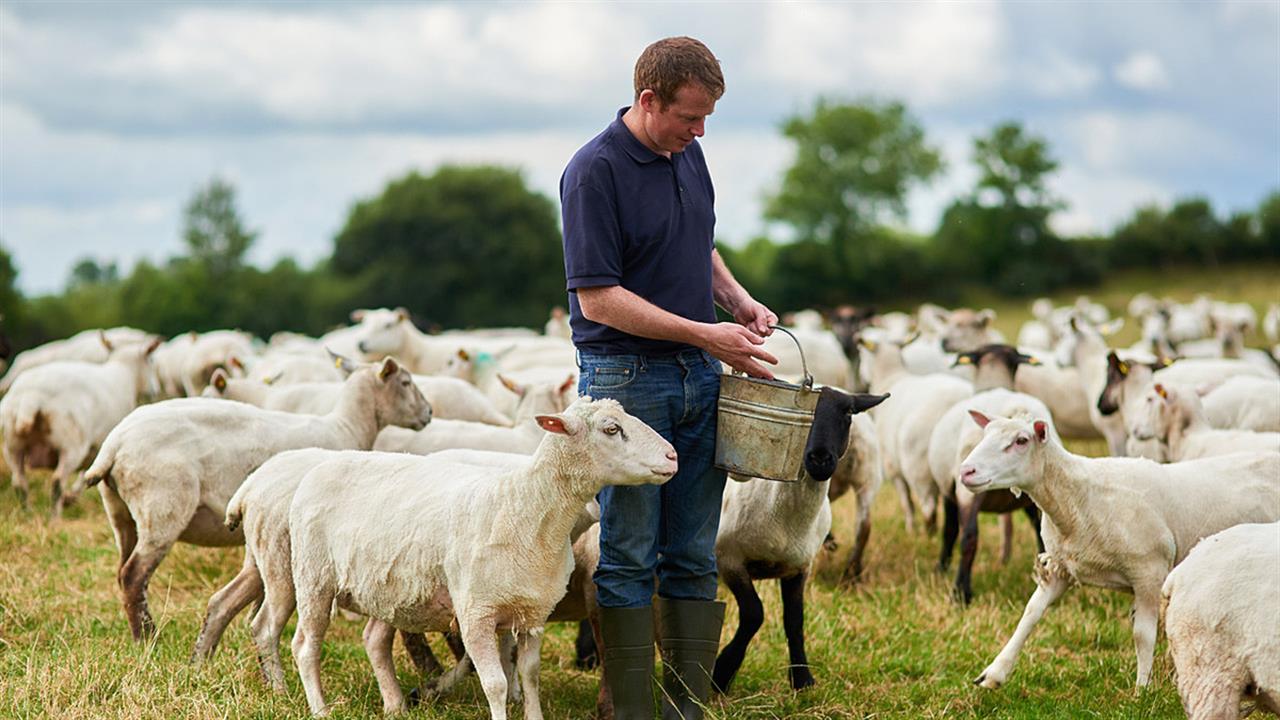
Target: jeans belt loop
x,y
643,362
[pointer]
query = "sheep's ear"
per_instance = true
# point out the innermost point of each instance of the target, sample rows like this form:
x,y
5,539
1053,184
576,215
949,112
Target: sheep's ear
x,y
389,367
870,345
236,363
102,337
986,317
1042,430
463,355
402,314
511,385
915,335
152,347
272,380
1162,391
1026,359
559,424
1111,327
342,363
979,418
568,383
863,402
358,315
219,380
1075,327
963,359
1117,364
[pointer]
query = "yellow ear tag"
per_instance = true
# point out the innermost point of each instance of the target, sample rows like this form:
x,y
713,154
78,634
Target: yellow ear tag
x,y
964,360
1124,368
337,362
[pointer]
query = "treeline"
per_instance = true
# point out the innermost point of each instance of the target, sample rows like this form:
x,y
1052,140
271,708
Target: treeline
x,y
474,246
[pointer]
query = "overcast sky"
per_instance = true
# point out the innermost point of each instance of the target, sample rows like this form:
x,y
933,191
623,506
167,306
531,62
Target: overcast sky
x,y
112,114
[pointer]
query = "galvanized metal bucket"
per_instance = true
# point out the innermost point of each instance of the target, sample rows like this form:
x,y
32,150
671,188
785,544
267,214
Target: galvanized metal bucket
x,y
763,425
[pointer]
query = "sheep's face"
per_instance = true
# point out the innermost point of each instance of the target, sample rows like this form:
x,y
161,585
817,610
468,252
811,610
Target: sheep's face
x,y
397,399
382,332
967,330
613,448
829,435
1008,455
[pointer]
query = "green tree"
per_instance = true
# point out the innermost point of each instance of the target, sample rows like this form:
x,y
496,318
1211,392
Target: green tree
x,y
12,313
1014,165
90,272
854,164
466,246
215,235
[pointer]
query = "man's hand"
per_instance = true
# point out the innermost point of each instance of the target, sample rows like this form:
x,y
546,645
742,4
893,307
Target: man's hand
x,y
739,348
756,317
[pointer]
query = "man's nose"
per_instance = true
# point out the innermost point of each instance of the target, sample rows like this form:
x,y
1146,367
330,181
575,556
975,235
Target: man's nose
x,y
699,128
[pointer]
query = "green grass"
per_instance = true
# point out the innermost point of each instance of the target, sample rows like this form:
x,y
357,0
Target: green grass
x,y
897,647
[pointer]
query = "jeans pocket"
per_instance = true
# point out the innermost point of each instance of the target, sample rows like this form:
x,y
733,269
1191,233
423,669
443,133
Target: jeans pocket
x,y
610,377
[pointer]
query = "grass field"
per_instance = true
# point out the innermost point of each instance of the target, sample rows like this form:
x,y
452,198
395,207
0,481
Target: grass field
x,y
896,647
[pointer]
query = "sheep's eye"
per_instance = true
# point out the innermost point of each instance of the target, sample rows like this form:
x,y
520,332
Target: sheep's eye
x,y
612,430
1022,440
405,383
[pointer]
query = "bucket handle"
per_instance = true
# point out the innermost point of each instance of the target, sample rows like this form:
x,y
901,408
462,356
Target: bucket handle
x,y
807,382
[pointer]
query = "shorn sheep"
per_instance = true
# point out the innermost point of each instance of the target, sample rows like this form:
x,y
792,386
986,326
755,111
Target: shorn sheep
x,y
771,529
1222,622
489,546
168,469
1118,523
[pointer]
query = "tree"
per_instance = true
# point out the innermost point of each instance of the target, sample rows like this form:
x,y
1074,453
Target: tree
x,y
1013,165
467,246
853,168
89,272
213,231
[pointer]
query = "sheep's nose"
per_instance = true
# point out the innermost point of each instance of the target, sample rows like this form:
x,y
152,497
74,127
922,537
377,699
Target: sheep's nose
x,y
361,346
967,472
671,455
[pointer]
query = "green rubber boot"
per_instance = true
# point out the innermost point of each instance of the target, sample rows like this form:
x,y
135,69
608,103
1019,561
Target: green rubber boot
x,y
628,660
690,637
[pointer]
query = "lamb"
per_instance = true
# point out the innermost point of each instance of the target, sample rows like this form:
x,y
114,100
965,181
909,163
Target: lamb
x,y
1221,620
522,437
487,545
1119,523
1174,417
168,469
450,398
83,346
903,426
771,529
952,439
64,409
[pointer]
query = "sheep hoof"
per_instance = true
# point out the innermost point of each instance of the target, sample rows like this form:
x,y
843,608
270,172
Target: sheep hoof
x,y
987,682
801,679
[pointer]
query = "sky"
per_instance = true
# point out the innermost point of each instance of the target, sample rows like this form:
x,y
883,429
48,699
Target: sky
x,y
113,114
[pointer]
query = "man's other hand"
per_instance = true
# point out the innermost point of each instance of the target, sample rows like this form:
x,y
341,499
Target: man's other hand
x,y
739,347
757,318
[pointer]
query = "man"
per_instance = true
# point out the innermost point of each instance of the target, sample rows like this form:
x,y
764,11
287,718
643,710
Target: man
x,y
644,277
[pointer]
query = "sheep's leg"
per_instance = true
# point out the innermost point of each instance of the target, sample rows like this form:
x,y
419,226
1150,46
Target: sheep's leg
x,y
482,647
862,532
314,605
1050,586
122,525
530,649
963,589
134,577
445,682
16,459
63,492
420,653
225,604
908,505
1146,615
793,623
1033,514
604,698
507,651
585,656
378,637
950,530
1006,538
278,604
750,618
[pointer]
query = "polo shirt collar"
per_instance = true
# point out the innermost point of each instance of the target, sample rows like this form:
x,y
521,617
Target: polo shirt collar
x,y
634,147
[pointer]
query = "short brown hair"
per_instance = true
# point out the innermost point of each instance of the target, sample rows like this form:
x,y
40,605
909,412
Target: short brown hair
x,y
670,63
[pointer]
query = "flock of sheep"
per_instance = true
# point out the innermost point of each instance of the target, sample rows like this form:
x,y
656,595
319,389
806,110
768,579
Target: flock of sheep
x,y
445,483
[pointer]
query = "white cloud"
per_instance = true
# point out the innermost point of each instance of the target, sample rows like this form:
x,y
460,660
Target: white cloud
x,y
929,54
1057,75
1101,200
1146,142
1142,71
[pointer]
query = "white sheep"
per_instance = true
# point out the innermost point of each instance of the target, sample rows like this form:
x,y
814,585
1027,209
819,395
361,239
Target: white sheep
x,y
1222,623
64,410
1119,523
1271,323
522,436
903,426
428,355
84,346
1173,416
168,469
209,351
488,546
1243,403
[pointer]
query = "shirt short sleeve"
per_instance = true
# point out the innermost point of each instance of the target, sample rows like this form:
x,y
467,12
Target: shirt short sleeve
x,y
592,238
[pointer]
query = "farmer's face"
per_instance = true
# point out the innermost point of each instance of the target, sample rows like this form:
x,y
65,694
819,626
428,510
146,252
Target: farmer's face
x,y
670,129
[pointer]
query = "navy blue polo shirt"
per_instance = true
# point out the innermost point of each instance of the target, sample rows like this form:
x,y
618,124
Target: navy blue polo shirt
x,y
637,219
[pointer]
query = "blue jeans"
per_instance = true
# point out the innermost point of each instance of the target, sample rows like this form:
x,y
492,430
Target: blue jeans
x,y
667,529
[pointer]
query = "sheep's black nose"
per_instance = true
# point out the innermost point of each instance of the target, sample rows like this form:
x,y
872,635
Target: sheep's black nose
x,y
820,464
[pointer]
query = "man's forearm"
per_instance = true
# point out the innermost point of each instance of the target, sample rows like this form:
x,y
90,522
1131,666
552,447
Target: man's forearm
x,y
622,309
725,288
